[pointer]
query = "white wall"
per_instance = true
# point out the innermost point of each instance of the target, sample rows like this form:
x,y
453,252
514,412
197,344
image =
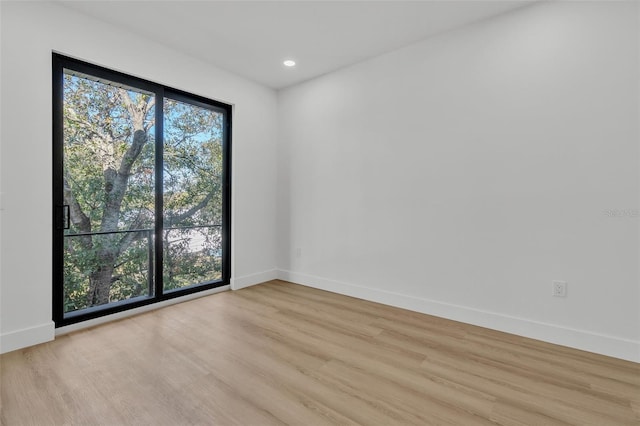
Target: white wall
x,y
30,32
461,175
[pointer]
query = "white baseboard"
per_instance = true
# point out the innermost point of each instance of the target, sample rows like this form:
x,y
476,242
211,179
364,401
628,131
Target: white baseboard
x,y
253,279
19,339
579,339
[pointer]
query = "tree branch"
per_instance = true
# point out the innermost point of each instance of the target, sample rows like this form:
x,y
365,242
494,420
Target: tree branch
x,y
130,237
139,135
79,219
116,182
150,104
128,103
193,210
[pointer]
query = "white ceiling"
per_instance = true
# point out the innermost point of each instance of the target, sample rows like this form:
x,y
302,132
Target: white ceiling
x,y
252,38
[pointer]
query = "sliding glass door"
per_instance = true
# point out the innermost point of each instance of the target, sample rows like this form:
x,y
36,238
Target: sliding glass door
x,y
141,192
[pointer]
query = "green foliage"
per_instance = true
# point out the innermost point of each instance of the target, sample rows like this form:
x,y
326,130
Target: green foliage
x,y
100,121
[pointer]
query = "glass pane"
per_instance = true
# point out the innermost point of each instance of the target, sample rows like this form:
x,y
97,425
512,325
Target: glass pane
x,y
131,276
192,194
109,188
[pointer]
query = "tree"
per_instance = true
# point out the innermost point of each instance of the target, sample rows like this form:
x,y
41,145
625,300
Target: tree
x,y
109,185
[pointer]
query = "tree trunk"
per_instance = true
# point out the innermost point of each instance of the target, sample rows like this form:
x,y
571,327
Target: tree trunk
x,y
115,187
100,283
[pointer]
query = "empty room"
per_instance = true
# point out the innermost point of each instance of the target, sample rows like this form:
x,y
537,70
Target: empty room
x,y
319,212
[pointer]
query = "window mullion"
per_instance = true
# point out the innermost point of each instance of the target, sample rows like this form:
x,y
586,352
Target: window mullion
x,y
159,177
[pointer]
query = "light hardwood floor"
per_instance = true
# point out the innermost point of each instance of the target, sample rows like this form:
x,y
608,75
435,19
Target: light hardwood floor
x,y
280,353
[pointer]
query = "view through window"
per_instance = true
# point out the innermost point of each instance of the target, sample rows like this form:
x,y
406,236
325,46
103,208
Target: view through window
x,y
141,191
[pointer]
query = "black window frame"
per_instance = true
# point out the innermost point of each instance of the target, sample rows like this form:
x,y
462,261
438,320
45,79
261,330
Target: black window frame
x,y
60,63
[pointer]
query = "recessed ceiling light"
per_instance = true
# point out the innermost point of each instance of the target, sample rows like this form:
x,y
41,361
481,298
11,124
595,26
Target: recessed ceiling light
x,y
289,63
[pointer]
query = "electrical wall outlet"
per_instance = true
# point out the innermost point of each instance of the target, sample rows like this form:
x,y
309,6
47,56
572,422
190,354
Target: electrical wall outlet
x,y
559,288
